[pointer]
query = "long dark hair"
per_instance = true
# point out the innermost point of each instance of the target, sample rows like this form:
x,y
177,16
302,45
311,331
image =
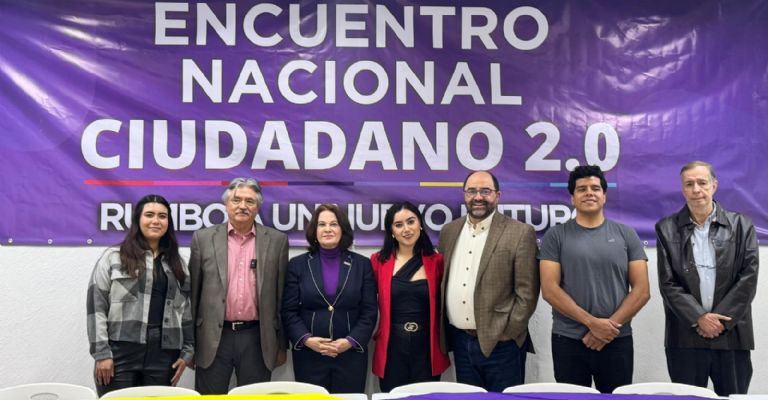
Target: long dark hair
x,y
422,247
133,249
347,234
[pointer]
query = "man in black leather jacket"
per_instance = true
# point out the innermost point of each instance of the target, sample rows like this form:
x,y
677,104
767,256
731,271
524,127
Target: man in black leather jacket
x,y
708,262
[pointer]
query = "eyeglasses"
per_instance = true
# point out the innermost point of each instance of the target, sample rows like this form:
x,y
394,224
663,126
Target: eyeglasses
x,y
237,201
485,192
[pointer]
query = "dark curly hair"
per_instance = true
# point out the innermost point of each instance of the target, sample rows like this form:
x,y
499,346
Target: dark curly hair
x,y
586,171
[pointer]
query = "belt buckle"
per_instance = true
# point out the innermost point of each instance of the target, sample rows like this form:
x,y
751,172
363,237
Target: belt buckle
x,y
235,324
411,326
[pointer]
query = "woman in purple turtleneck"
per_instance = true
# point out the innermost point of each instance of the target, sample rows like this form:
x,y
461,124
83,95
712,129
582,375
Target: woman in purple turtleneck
x,y
329,306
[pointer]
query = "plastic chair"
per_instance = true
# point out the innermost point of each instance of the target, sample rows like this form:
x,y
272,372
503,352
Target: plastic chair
x,y
550,387
351,396
48,391
665,388
279,387
150,391
437,387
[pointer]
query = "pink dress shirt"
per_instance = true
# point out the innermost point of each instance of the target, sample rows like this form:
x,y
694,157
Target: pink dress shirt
x,y
241,279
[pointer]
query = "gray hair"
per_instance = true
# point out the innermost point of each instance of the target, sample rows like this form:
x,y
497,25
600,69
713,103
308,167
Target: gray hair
x,y
238,183
694,164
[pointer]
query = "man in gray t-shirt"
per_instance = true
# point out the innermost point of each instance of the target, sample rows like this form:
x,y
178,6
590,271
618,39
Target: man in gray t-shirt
x,y
594,273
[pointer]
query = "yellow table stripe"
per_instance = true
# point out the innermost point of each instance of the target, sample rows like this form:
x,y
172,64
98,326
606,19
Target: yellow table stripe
x,y
441,184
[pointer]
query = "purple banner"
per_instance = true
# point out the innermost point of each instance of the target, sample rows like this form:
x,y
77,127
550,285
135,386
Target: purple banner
x,y
367,103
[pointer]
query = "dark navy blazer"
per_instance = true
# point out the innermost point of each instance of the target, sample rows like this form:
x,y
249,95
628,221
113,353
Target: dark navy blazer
x,y
307,310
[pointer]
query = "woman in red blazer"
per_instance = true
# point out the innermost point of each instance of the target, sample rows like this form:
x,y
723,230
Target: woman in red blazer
x,y
408,271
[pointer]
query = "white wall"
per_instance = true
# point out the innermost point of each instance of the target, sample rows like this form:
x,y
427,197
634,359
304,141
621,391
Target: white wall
x,y
43,334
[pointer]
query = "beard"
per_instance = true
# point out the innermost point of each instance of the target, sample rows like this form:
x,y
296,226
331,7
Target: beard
x,y
480,213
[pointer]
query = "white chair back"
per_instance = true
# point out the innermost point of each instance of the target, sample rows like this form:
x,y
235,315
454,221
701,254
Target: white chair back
x,y
351,396
665,388
150,391
48,391
437,387
550,387
278,387
389,396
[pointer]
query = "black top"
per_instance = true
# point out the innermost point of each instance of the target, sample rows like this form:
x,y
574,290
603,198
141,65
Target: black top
x,y
159,290
410,299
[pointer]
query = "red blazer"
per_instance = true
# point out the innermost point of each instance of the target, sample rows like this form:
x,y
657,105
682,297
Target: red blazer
x,y
433,266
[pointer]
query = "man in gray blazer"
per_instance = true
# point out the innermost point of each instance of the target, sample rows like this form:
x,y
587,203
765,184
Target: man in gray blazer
x,y
489,290
237,272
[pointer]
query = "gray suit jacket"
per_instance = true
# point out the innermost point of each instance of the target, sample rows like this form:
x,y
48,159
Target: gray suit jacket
x,y
507,287
208,271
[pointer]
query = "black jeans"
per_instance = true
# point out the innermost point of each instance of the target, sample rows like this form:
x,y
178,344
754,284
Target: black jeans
x,y
610,367
408,358
139,364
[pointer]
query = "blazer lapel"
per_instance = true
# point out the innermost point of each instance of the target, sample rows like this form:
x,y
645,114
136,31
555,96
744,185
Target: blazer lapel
x,y
429,270
451,236
494,234
316,271
344,271
220,244
262,247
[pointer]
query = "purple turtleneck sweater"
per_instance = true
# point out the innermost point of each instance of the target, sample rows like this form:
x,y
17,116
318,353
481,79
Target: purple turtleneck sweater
x,y
330,261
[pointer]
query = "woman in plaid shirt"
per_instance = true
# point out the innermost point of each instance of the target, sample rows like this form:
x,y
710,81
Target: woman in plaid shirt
x,y
139,316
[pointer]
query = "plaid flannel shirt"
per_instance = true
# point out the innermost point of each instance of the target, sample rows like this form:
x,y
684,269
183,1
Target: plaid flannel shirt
x,y
118,307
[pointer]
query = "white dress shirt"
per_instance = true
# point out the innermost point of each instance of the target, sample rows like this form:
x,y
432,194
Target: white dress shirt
x,y
460,302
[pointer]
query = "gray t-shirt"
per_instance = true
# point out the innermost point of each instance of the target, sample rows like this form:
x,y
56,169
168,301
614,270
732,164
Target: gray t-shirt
x,y
594,266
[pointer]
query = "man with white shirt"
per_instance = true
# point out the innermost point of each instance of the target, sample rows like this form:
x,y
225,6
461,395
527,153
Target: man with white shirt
x,y
489,290
708,262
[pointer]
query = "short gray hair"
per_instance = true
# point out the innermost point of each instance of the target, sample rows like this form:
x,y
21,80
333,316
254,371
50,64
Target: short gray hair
x,y
694,164
238,183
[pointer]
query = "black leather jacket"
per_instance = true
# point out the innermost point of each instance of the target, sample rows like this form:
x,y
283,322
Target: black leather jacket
x,y
736,252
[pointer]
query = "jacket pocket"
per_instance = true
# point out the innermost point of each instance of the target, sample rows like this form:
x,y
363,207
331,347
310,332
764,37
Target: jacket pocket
x,y
123,287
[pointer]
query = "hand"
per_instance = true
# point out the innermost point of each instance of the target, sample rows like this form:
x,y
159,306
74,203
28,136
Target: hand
x,y
592,342
282,357
105,370
321,345
604,330
179,366
709,325
341,345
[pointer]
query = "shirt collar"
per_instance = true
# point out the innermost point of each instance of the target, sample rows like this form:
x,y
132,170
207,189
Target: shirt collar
x,y
481,226
711,218
231,230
